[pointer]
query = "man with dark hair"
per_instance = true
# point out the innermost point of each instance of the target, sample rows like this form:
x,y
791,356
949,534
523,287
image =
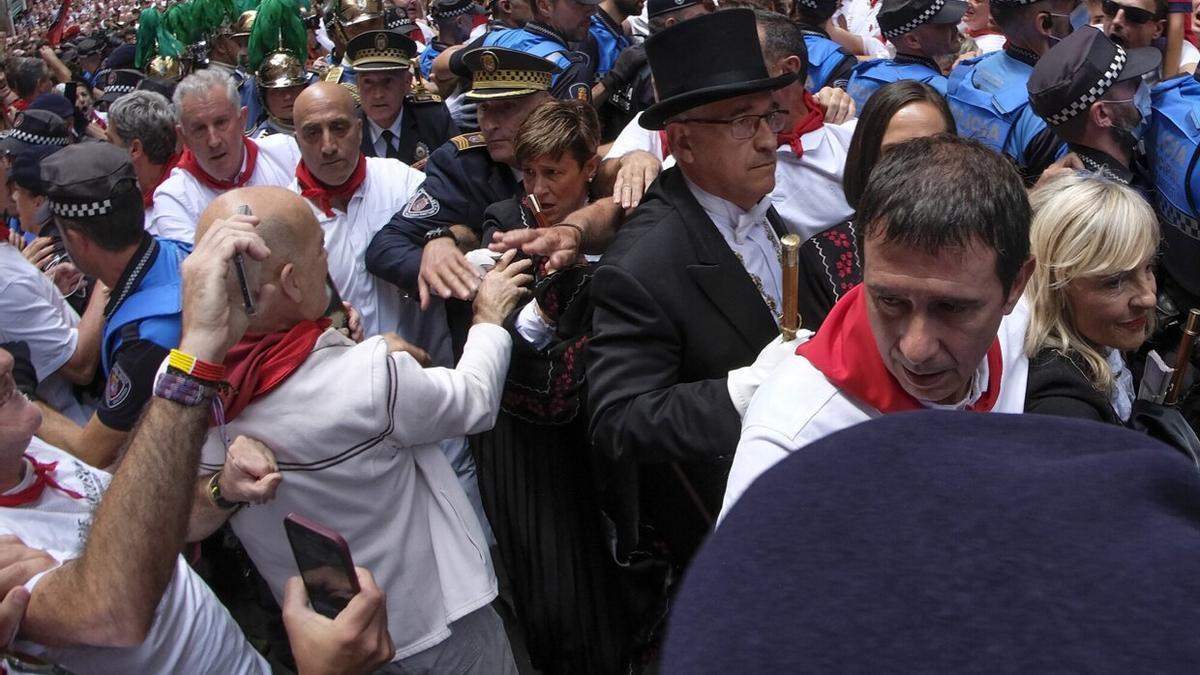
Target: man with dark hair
x,y
922,31
31,79
559,32
829,64
97,205
1143,23
454,20
927,328
988,96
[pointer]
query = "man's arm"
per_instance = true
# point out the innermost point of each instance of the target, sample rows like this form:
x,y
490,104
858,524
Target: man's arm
x,y
94,443
249,476
108,596
81,367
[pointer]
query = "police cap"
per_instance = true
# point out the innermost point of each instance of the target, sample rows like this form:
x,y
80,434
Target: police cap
x,y
446,9
88,180
1077,72
380,50
897,17
506,73
36,127
656,7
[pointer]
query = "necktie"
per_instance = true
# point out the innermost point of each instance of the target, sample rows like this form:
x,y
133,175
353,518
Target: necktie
x,y
388,138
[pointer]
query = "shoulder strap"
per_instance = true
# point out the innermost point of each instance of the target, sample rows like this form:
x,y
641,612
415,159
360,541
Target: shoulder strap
x,y
468,141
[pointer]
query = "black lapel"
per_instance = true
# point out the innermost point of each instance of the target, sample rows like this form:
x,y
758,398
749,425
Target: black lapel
x,y
367,146
717,271
410,135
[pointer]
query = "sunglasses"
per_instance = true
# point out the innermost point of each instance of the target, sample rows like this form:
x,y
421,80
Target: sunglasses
x,y
1135,15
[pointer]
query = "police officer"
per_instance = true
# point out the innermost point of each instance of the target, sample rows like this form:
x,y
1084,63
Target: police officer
x,y
1089,90
454,20
921,31
829,64
90,54
395,124
608,30
549,36
988,94
94,196
422,248
348,19
117,84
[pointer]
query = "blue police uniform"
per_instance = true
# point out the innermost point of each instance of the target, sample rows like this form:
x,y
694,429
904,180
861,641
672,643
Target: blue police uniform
x,y
989,99
828,64
425,61
578,68
869,76
248,92
149,306
610,41
1174,150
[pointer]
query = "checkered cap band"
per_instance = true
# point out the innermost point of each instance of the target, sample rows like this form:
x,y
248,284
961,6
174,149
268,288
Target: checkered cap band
x,y
511,79
34,139
435,13
915,21
74,210
119,88
1094,93
811,4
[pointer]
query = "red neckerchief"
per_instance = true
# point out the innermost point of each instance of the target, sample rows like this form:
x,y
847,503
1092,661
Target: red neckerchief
x,y
189,163
21,103
417,35
259,363
844,350
43,475
324,195
810,122
148,192
5,232
981,33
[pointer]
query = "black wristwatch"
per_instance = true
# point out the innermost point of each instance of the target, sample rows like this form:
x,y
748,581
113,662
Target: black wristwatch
x,y
438,233
214,493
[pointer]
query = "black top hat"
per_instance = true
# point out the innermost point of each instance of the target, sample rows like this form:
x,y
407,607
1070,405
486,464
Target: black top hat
x,y
36,127
121,82
89,179
445,9
1076,72
706,59
380,50
656,7
897,17
506,73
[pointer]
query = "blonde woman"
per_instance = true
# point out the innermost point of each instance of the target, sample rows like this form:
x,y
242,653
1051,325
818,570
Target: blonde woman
x,y
1091,297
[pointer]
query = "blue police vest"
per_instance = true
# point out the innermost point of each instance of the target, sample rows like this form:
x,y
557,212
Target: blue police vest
x,y
823,56
1173,149
990,103
425,62
530,43
155,308
869,76
610,45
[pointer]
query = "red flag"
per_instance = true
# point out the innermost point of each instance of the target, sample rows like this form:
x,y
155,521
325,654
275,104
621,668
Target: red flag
x,y
54,35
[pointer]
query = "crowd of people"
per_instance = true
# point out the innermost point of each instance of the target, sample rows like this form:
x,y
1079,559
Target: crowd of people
x,y
572,322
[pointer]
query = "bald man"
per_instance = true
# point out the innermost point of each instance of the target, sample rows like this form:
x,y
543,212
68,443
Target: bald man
x,y
348,436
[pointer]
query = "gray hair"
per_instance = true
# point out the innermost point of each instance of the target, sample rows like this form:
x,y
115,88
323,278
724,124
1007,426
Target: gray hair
x,y
200,82
148,117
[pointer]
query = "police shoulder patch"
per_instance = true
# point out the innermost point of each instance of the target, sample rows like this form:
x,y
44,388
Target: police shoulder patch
x,y
118,388
581,92
469,141
421,205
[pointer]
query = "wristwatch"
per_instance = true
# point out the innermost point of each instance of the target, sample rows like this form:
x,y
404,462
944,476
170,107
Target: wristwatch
x,y
438,233
214,493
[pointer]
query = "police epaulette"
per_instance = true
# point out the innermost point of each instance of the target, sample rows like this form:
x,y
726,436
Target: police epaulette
x,y
427,97
468,141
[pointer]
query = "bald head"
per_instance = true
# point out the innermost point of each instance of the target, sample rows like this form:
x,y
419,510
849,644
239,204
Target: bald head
x,y
328,131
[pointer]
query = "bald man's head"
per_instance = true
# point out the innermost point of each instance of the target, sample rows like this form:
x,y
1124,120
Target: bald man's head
x,y
328,131
290,284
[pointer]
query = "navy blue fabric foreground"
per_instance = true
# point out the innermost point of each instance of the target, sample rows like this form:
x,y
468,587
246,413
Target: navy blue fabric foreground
x,y
953,542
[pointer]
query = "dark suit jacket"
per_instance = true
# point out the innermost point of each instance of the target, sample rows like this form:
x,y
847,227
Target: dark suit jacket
x,y
674,312
427,124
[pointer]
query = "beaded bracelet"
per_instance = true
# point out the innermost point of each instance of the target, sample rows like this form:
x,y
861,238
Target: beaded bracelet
x,y
183,389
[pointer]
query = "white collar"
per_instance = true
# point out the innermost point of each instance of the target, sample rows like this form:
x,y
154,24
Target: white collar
x,y
377,130
1122,394
727,215
978,384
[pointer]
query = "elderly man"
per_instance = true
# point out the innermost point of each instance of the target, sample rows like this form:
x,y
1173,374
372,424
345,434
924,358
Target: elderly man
x,y
143,123
376,476
217,156
690,287
396,126
929,327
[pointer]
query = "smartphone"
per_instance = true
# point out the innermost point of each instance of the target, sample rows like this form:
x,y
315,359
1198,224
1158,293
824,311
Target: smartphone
x,y
239,264
325,564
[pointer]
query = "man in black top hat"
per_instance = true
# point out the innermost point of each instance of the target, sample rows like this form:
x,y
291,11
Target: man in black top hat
x,y
690,288
1090,91
394,125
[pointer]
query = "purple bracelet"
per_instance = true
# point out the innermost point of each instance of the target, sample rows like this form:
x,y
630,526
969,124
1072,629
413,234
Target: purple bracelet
x,y
182,389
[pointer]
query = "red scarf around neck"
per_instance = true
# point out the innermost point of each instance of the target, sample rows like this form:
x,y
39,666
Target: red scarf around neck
x,y
844,350
148,191
189,163
324,195
43,475
981,33
259,363
810,122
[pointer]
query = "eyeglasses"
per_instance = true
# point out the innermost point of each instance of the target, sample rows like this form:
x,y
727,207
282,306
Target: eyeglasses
x,y
743,127
1135,15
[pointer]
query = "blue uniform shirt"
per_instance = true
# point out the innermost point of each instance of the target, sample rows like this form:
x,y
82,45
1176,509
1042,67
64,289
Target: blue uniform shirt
x,y
578,68
869,76
828,64
1174,150
610,40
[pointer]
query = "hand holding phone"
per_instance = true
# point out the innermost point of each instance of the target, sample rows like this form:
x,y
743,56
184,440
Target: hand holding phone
x,y
325,564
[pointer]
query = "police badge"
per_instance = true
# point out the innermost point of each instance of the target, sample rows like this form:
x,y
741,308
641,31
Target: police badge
x,y
421,206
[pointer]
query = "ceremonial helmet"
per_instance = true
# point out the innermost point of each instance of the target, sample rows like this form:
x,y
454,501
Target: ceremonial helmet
x,y
353,13
167,67
277,45
281,69
245,22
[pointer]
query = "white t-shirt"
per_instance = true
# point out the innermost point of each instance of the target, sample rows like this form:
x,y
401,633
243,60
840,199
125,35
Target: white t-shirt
x,y
180,200
634,137
808,190
192,631
34,312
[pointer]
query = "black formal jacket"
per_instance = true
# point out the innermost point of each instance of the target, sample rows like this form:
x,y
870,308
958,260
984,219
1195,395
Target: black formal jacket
x,y
1058,385
424,127
674,312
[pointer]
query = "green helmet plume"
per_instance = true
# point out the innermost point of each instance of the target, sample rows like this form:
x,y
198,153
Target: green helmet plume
x,y
278,26
153,39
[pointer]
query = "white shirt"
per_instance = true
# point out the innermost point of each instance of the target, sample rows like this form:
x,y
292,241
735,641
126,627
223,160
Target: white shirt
x,y
34,312
180,200
750,237
355,431
192,631
376,131
808,190
990,42
634,137
797,406
861,19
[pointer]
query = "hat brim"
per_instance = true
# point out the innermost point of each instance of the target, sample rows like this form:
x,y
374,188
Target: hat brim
x,y
1140,61
379,66
12,146
655,117
493,94
951,12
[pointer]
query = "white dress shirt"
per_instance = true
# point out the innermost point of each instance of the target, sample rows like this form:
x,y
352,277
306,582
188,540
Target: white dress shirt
x,y
376,131
808,190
